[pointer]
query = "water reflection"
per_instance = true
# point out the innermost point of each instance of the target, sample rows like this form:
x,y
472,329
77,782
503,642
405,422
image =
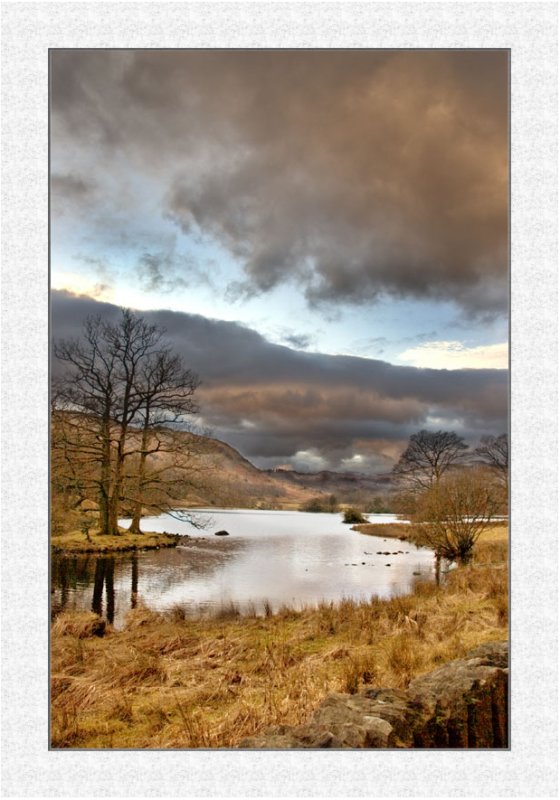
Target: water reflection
x,y
134,581
70,575
104,576
279,557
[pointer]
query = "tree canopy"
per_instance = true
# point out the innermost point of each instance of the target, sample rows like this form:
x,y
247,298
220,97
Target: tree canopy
x,y
493,452
427,457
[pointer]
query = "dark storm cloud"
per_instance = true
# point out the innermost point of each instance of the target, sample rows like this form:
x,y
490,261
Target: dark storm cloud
x,y
71,194
353,173
298,340
273,402
71,186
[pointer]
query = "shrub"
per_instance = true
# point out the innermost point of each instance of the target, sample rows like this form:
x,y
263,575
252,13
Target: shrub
x,y
352,516
378,506
455,511
318,505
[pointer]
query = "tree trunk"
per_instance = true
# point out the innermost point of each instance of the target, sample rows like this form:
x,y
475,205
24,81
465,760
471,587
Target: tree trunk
x,y
104,519
114,503
113,516
137,514
136,517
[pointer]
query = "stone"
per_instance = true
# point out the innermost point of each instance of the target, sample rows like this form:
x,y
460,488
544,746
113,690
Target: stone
x,y
465,701
221,533
463,704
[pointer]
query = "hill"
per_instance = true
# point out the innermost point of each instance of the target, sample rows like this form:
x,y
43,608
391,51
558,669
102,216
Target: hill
x,y
188,470
229,479
226,478
354,488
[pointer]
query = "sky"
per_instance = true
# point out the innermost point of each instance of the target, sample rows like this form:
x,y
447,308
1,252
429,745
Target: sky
x,y
324,234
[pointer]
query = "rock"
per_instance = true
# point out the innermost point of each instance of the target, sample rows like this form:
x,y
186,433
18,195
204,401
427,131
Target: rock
x,y
465,700
221,533
495,654
270,742
353,721
463,704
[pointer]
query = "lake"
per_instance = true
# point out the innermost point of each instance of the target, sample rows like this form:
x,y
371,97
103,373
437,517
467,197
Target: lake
x,y
270,557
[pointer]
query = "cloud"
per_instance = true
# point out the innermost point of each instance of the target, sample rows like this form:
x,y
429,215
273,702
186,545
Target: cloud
x,y
354,174
71,186
167,270
274,403
82,285
300,341
72,195
455,355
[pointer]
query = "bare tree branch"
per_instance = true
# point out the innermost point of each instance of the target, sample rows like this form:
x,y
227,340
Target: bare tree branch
x,y
427,458
122,393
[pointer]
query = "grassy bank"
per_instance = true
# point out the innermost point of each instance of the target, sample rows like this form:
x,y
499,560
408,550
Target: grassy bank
x,y
387,530
166,681
76,542
410,532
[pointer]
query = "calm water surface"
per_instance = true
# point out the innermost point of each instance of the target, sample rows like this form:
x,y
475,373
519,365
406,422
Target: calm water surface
x,y
281,557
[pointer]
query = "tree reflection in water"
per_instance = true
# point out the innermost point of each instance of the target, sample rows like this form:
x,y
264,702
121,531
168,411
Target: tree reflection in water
x,y
134,577
104,576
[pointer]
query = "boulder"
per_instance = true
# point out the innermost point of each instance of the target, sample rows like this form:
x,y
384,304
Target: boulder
x,y
221,533
463,704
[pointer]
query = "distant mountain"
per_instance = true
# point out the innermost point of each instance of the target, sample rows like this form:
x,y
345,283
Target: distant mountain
x,y
202,471
348,487
229,479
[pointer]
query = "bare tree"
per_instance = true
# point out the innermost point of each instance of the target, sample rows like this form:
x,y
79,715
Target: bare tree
x,y
167,390
454,511
493,452
88,395
120,380
426,459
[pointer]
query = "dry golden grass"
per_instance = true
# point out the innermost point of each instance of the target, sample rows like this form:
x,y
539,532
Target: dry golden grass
x,y
166,681
387,530
76,542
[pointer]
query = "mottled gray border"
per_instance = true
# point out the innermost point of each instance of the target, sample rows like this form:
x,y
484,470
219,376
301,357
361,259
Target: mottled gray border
x,y
29,769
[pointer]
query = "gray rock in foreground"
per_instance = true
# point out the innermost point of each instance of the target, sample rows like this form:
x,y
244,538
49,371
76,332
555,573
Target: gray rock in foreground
x,y
463,704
